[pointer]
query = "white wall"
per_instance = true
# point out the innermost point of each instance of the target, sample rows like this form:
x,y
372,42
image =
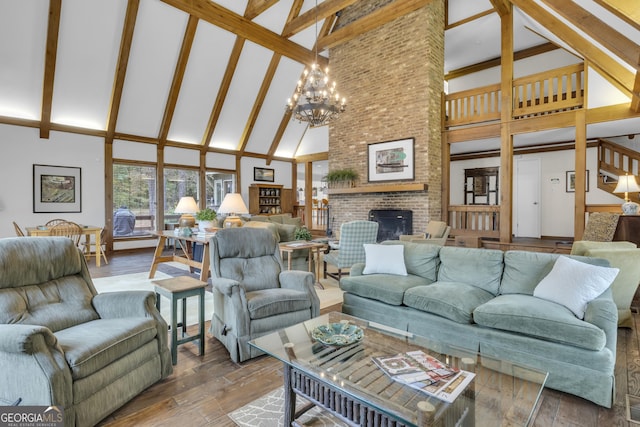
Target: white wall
x,y
556,205
21,149
282,174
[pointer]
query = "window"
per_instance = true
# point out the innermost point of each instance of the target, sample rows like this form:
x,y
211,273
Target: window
x,y
178,183
218,185
134,208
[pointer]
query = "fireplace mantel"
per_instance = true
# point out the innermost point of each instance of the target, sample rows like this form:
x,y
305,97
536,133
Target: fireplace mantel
x,y
380,188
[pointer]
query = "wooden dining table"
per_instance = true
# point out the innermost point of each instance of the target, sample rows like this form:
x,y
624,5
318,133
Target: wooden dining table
x,y
87,231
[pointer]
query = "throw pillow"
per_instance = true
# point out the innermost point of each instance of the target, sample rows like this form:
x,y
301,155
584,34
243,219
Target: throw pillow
x,y
385,259
574,284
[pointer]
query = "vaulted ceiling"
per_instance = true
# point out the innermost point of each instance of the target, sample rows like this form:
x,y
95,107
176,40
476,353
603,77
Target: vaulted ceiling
x,y
215,75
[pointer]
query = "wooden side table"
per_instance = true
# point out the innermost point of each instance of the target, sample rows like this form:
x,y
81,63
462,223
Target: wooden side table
x,y
314,253
174,289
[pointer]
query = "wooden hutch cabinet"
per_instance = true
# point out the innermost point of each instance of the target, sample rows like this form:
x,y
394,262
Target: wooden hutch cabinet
x,y
269,199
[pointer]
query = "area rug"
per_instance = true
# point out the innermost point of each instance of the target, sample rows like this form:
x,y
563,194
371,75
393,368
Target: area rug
x,y
267,411
141,282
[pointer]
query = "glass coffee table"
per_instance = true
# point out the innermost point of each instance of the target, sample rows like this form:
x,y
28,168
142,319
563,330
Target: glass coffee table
x,y
345,380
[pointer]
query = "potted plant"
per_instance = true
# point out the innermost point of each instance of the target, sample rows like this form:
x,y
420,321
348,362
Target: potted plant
x,y
341,178
302,233
205,218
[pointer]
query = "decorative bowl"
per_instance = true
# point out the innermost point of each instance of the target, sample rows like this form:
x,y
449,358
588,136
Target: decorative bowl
x,y
337,334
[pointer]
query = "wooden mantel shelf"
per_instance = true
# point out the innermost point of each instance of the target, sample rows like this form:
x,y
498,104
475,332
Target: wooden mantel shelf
x,y
380,188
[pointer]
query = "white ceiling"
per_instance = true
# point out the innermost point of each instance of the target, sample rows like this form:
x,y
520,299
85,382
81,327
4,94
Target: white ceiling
x,y
89,44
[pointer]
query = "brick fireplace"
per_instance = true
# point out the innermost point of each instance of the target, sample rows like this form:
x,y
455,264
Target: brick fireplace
x,y
393,79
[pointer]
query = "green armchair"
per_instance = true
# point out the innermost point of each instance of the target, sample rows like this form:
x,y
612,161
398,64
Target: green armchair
x,y
252,293
350,250
63,344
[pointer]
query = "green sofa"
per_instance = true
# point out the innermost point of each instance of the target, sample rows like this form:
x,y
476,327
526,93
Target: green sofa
x,y
482,300
63,344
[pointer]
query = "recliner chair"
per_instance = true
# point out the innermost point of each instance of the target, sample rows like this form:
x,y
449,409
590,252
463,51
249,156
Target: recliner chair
x,y
63,344
252,293
436,233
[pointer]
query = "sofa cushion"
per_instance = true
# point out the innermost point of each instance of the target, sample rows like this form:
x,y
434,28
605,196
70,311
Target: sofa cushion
x,y
93,345
386,288
272,227
454,301
574,284
270,302
287,232
525,314
420,260
477,267
385,259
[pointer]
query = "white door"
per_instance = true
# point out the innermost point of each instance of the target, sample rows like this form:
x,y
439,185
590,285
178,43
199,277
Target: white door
x,y
527,198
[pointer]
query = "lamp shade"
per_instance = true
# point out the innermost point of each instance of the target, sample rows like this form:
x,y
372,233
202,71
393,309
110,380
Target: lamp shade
x,y
626,184
186,205
233,204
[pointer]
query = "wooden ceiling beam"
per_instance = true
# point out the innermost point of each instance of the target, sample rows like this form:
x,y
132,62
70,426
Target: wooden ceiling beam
x,y
495,62
609,38
53,29
503,7
379,17
322,11
612,70
178,76
626,10
121,67
256,7
294,11
227,20
469,19
257,105
224,89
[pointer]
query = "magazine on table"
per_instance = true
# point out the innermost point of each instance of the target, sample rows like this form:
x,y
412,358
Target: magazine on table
x,y
425,373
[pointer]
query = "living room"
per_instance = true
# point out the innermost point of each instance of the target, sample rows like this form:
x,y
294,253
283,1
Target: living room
x,y
414,115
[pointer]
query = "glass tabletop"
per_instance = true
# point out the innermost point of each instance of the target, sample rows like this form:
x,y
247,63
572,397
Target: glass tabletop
x,y
359,358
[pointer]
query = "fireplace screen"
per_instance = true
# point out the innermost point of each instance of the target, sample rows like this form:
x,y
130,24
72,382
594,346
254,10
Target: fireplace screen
x,y
392,223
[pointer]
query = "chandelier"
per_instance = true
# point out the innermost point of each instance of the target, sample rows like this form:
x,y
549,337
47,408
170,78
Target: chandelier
x,y
316,100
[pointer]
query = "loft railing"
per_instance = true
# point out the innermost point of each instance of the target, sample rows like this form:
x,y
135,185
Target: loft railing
x,y
475,220
560,89
548,92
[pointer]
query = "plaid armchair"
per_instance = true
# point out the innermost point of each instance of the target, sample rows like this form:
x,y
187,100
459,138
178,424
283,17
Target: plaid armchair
x,y
353,235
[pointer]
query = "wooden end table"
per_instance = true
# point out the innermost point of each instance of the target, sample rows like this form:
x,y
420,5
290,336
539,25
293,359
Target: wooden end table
x,y
314,252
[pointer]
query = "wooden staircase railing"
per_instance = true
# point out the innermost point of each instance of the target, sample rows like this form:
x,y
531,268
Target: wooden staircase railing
x,y
616,160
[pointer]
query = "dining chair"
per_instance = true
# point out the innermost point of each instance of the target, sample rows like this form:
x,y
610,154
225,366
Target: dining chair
x,y
56,221
68,229
90,252
19,231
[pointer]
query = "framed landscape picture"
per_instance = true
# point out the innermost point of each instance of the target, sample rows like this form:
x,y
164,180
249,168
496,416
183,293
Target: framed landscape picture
x,y
56,189
391,160
571,181
263,174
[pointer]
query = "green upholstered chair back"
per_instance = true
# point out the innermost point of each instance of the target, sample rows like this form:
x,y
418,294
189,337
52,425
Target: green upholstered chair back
x,y
44,281
250,256
353,235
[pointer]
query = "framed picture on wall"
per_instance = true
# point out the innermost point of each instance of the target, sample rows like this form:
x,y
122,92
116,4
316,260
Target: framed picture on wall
x,y
571,181
391,160
263,174
56,189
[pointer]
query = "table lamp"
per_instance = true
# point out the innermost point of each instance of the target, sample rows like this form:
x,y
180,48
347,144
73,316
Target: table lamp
x,y
232,205
187,206
626,184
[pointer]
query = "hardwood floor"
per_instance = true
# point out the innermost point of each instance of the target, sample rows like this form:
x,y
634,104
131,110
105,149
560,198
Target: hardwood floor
x,y
203,389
